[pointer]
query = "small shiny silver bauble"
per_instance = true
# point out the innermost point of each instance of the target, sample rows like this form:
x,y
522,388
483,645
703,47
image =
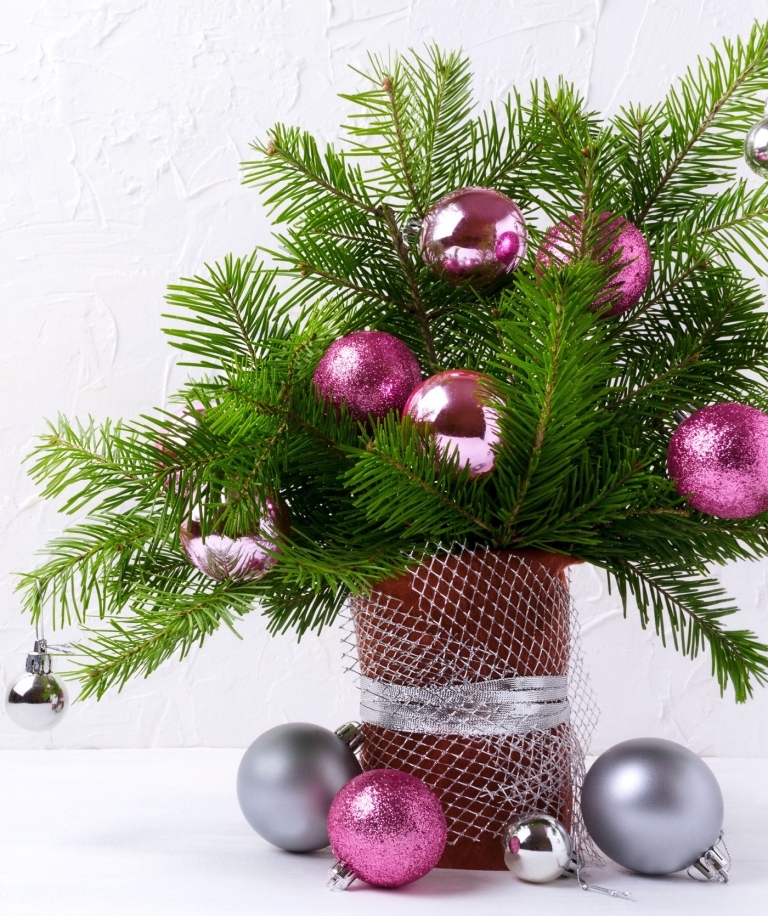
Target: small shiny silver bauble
x,y
537,849
756,147
36,701
287,780
652,805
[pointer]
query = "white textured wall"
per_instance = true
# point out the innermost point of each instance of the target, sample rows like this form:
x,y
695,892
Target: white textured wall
x,y
122,124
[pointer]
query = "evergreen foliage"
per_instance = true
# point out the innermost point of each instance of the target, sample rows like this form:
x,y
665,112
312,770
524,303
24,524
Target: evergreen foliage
x,y
589,403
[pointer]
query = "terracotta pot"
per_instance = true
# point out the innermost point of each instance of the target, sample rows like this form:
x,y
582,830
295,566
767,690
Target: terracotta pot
x,y
474,616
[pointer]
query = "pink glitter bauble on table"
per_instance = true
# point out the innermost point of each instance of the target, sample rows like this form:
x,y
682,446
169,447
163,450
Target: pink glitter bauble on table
x,y
718,457
387,827
450,406
474,234
371,372
237,559
634,263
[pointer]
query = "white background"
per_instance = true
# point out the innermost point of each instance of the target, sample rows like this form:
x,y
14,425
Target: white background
x,y
122,126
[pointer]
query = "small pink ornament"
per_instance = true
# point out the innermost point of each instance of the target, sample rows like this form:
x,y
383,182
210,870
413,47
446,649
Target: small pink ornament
x,y
450,406
634,263
474,234
719,456
369,371
387,828
238,559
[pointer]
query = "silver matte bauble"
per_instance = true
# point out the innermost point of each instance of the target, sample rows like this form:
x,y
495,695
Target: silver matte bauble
x,y
652,805
287,780
36,701
756,147
537,848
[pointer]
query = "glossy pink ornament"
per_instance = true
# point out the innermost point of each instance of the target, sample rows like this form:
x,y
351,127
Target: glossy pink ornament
x,y
719,456
450,406
370,371
237,559
474,234
634,263
387,828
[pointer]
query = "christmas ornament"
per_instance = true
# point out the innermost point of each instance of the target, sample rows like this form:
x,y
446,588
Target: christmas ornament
x,y
474,234
37,699
653,806
450,405
387,828
615,234
369,371
537,848
242,558
288,778
718,457
756,146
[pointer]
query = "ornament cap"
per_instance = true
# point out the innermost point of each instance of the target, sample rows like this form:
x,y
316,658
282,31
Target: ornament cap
x,y
340,877
351,733
715,863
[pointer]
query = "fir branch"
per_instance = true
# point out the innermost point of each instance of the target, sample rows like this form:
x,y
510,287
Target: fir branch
x,y
692,609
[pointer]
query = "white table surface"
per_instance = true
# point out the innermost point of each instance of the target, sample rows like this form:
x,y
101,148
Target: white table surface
x,y
113,832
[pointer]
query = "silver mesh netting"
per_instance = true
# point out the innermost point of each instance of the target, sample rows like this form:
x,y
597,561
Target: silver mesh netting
x,y
472,679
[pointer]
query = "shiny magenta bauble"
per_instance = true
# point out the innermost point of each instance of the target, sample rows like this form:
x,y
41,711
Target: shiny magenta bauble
x,y
718,457
475,234
237,559
619,237
453,406
388,827
371,372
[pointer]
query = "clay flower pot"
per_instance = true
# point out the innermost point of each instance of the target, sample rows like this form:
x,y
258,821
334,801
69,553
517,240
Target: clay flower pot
x,y
460,623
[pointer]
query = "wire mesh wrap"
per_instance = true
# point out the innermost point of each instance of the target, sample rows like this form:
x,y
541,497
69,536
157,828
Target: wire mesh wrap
x,y
460,627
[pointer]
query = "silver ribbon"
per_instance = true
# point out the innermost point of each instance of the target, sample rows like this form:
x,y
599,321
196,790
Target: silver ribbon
x,y
505,706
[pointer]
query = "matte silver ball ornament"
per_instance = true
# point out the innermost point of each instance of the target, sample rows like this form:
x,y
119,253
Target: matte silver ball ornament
x,y
37,699
756,147
288,778
652,806
537,848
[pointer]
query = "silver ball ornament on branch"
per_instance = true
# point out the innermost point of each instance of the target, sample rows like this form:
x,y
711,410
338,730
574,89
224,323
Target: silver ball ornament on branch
x,y
537,849
756,146
654,807
474,234
37,699
288,779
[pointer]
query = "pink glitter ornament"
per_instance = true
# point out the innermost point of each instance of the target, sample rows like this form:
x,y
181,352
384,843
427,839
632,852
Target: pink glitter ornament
x,y
450,406
387,828
719,456
474,234
369,371
237,559
634,263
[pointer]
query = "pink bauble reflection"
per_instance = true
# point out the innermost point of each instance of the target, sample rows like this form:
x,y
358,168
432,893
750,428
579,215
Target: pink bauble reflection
x,y
388,827
242,558
450,406
619,235
370,371
474,234
718,457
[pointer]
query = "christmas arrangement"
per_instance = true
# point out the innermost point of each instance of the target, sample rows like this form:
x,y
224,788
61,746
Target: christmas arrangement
x,y
483,348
